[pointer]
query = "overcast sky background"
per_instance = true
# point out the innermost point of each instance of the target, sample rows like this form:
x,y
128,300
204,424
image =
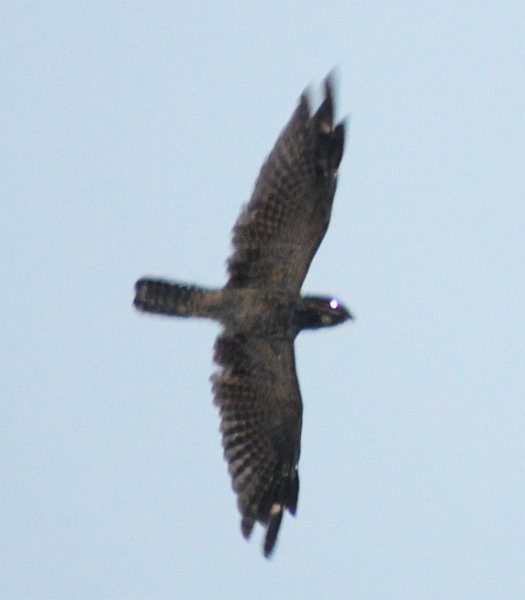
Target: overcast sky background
x,y
132,133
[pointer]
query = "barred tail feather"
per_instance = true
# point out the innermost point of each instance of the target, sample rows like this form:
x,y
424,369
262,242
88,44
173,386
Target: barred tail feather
x,y
168,298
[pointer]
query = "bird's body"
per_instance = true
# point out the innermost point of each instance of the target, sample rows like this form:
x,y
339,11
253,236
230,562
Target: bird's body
x,y
262,310
262,313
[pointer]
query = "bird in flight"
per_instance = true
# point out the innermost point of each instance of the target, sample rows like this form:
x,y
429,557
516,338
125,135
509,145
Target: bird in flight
x,y
261,311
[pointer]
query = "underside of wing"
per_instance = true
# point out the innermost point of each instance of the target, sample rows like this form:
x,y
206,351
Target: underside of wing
x,y
258,395
280,229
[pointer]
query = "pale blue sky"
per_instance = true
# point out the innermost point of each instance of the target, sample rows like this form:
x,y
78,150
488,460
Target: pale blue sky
x,y
132,135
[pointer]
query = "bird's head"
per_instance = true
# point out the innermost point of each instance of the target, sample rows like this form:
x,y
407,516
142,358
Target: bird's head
x,y
314,312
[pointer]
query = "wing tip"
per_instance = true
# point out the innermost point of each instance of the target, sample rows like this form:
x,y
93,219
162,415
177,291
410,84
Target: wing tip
x,y
331,83
324,116
274,524
247,524
272,528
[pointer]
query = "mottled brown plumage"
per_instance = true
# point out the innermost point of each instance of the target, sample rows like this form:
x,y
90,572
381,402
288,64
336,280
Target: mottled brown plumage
x,y
262,311
279,231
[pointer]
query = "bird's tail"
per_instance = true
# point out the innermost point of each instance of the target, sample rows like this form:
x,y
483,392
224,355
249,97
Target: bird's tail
x,y
169,298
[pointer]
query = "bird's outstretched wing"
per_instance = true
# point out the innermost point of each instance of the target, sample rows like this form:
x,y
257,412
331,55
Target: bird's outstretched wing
x,y
258,395
281,227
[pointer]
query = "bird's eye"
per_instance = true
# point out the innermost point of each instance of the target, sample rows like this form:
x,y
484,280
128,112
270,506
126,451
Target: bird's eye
x,y
334,304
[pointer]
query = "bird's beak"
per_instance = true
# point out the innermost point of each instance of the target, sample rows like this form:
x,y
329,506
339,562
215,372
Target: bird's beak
x,y
350,316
